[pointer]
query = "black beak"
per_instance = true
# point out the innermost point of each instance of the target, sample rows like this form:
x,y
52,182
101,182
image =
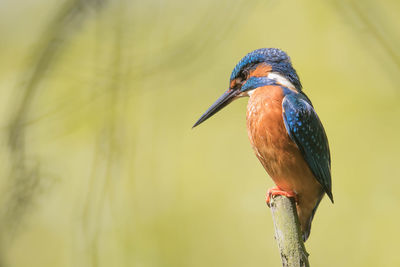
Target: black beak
x,y
221,102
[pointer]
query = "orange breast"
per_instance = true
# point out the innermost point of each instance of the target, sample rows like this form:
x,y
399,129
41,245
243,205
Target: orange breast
x,y
278,154
267,133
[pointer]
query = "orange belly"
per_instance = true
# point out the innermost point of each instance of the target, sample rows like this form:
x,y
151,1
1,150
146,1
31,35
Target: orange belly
x,y
278,154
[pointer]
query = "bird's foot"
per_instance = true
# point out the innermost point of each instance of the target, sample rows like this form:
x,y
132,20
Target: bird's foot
x,y
276,191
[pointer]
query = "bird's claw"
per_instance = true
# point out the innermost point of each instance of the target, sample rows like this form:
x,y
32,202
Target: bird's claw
x,y
276,191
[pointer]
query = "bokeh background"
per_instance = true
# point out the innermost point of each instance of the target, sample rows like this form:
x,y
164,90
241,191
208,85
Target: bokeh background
x,y
99,164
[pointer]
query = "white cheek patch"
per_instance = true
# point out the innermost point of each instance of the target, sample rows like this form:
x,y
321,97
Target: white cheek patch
x,y
281,80
278,78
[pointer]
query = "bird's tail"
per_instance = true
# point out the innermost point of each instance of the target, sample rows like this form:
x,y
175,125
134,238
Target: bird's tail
x,y
306,215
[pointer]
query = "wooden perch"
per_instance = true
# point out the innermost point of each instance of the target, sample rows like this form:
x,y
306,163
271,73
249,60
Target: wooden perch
x,y
287,232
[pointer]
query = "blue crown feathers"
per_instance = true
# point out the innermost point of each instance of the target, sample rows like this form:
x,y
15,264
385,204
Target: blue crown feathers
x,y
279,61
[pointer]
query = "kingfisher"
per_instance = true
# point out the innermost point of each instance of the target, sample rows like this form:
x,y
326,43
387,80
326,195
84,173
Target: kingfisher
x,y
284,130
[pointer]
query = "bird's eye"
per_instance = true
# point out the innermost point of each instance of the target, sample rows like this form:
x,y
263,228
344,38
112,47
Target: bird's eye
x,y
244,74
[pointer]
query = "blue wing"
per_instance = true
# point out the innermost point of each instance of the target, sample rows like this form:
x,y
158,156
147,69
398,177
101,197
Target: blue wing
x,y
306,130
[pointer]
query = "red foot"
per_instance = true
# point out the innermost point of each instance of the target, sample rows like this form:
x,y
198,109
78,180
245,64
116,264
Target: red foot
x,y
276,191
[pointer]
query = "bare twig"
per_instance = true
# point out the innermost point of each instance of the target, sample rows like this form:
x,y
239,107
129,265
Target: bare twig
x,y
288,233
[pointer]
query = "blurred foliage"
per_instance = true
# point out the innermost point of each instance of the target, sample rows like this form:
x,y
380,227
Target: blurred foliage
x,y
100,166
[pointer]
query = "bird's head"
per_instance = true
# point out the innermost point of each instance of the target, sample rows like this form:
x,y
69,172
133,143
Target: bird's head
x,y
265,66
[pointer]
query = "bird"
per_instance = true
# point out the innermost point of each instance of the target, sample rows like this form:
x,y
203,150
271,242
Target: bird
x,y
284,129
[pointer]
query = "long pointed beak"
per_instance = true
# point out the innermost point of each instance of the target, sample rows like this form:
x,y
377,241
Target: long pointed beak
x,y
221,102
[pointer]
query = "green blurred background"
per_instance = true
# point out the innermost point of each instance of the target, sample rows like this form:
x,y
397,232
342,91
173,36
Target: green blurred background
x,y
99,164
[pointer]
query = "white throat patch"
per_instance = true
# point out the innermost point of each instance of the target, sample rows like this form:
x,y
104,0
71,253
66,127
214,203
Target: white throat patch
x,y
250,92
281,80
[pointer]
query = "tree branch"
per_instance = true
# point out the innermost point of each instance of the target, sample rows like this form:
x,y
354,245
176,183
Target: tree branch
x,y
287,232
